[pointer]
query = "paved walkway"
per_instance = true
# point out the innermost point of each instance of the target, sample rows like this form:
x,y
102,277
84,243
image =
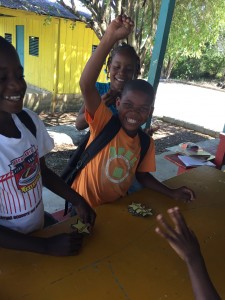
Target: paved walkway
x,y
200,108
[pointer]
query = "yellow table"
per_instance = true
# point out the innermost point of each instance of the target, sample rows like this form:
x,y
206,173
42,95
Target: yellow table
x,y
124,258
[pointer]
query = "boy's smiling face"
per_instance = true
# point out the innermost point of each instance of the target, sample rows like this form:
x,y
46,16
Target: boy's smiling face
x,y
134,108
12,83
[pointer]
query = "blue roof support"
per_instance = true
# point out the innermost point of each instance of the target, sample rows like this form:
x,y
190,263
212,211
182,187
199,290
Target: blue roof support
x,y
161,38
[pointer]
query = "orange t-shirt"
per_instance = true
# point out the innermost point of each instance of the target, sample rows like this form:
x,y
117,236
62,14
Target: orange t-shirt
x,y
111,172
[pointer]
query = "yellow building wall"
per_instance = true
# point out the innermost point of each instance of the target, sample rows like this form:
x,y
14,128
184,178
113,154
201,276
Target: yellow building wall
x,y
75,49
38,70
64,48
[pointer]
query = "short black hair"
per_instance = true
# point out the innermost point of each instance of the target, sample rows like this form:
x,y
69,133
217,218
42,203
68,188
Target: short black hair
x,y
131,51
4,43
139,85
7,46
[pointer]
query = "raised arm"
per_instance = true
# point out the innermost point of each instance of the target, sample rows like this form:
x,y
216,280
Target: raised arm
x,y
186,245
117,29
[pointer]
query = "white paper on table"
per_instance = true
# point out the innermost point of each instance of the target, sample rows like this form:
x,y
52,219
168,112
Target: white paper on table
x,y
194,162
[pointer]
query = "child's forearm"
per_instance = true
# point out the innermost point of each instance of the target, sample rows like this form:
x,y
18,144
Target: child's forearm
x,y
201,283
14,240
149,181
182,193
57,185
59,245
91,72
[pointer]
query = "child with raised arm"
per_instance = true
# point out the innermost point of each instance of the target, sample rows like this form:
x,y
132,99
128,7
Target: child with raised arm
x,y
185,244
123,65
110,173
23,170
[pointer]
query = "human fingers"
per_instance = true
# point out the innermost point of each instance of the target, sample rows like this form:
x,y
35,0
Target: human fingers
x,y
107,98
190,193
89,218
185,194
127,20
164,234
118,19
167,228
76,240
178,220
171,236
92,218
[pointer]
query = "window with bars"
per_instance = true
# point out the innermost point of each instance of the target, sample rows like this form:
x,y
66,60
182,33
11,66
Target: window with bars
x,y
34,45
94,48
8,37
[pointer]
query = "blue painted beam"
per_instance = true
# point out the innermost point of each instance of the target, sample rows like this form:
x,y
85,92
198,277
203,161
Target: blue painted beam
x,y
161,39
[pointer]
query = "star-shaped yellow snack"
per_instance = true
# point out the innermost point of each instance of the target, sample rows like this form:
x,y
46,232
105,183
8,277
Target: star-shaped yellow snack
x,y
80,227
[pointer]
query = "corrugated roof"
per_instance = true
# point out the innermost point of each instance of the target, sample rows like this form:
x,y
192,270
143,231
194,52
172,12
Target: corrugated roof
x,y
42,7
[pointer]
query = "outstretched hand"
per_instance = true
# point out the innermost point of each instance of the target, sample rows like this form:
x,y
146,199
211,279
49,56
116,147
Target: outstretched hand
x,y
110,97
64,244
120,27
180,238
86,213
183,193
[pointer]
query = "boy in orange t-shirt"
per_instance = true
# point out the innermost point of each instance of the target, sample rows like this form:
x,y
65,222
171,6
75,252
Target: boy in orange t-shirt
x,y
110,173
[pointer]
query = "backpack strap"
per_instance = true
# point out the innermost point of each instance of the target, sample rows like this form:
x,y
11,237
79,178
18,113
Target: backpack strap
x,y
145,144
104,137
74,158
81,156
27,121
79,160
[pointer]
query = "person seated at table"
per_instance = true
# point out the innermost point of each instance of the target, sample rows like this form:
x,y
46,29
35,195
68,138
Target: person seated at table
x,y
111,172
185,244
23,169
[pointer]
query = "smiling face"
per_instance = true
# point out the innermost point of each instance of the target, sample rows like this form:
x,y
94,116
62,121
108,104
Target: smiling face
x,y
134,108
121,70
12,83
135,105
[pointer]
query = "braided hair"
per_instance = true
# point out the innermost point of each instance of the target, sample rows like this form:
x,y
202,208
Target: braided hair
x,y
124,47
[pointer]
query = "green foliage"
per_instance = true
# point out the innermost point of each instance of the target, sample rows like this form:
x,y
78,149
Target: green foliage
x,y
211,65
196,24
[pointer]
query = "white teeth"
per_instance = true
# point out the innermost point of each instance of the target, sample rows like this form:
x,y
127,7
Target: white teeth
x,y
12,98
121,80
132,121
